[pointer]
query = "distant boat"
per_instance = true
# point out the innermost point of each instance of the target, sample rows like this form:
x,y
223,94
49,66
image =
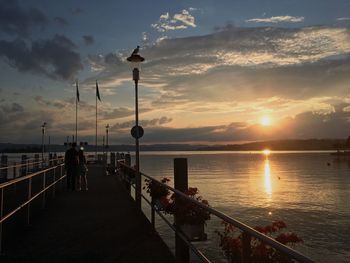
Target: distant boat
x,y
341,153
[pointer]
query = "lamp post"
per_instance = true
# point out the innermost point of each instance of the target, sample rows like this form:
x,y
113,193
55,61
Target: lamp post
x,y
42,141
135,59
106,157
107,127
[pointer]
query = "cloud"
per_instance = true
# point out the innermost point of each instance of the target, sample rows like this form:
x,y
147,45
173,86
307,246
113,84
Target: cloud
x,y
12,108
120,112
61,21
77,11
144,123
277,19
54,57
306,125
88,40
343,19
14,20
178,21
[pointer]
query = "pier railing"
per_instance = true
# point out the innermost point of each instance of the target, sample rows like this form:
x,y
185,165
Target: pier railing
x,y
183,243
26,167
44,180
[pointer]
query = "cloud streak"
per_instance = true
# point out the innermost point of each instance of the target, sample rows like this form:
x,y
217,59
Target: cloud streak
x,y
277,19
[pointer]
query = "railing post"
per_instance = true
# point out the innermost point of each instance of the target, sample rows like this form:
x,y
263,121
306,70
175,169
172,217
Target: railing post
x,y
153,218
14,170
23,167
112,161
36,161
128,181
54,180
14,176
61,174
182,254
50,159
3,174
1,215
246,253
29,196
44,193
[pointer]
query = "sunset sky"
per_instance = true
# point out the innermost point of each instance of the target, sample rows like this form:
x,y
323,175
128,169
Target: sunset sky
x,y
216,72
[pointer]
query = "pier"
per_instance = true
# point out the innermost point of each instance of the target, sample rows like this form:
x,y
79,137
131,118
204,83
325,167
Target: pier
x,y
98,225
41,220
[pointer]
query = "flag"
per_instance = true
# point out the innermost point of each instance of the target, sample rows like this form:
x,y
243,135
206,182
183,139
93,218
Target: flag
x,y
97,92
78,98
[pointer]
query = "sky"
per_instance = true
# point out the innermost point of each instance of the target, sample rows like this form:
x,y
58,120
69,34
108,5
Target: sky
x,y
215,72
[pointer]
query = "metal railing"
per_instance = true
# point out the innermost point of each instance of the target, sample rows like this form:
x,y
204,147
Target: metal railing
x,y
28,166
57,175
248,232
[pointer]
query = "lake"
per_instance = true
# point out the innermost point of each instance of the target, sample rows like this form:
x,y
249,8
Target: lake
x,y
310,191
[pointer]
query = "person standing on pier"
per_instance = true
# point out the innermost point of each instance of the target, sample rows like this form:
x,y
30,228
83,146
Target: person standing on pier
x,y
82,171
71,161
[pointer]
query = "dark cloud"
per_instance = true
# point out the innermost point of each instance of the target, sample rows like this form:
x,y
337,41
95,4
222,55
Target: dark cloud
x,y
55,58
77,11
12,108
14,20
88,40
61,21
227,27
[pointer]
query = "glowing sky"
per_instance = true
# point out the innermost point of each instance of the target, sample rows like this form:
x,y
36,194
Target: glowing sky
x,y
213,69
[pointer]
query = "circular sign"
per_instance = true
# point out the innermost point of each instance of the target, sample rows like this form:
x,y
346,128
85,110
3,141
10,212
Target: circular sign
x,y
137,132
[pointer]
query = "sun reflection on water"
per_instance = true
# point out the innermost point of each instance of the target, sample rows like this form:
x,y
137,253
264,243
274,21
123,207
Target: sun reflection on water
x,y
267,178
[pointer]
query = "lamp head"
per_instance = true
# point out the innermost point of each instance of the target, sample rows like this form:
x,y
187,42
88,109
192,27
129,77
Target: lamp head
x,y
135,60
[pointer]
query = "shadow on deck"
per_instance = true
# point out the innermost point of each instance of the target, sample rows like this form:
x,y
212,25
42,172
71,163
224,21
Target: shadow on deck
x,y
99,225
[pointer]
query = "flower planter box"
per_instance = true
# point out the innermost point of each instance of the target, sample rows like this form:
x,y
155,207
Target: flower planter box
x,y
194,232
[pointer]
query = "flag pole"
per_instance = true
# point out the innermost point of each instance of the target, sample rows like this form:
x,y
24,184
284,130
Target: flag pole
x,y
96,125
76,112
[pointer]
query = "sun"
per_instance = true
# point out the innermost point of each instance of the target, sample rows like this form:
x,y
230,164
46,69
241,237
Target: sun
x,y
265,121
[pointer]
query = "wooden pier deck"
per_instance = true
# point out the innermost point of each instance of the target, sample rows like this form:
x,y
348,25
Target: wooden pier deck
x,y
99,225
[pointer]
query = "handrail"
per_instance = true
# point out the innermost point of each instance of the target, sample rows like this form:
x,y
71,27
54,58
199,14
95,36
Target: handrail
x,y
29,163
25,177
26,203
270,241
32,198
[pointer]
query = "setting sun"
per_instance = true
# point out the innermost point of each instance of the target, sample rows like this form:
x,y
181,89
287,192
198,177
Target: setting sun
x,y
265,121
266,152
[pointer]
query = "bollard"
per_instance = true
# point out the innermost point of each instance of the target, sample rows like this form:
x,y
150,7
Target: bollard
x,y
182,252
3,174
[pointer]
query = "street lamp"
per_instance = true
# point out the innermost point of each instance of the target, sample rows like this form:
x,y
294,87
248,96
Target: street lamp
x,y
107,127
135,59
106,157
42,141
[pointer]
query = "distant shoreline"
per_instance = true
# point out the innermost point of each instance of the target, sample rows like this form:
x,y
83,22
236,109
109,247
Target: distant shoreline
x,y
276,145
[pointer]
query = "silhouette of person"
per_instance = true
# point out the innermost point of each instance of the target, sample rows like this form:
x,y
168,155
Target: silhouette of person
x,y
71,162
82,170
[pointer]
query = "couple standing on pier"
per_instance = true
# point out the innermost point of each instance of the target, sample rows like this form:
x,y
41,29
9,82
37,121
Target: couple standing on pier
x,y
76,169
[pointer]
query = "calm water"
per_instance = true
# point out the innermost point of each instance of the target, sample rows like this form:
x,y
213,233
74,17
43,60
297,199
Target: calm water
x,y
309,191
